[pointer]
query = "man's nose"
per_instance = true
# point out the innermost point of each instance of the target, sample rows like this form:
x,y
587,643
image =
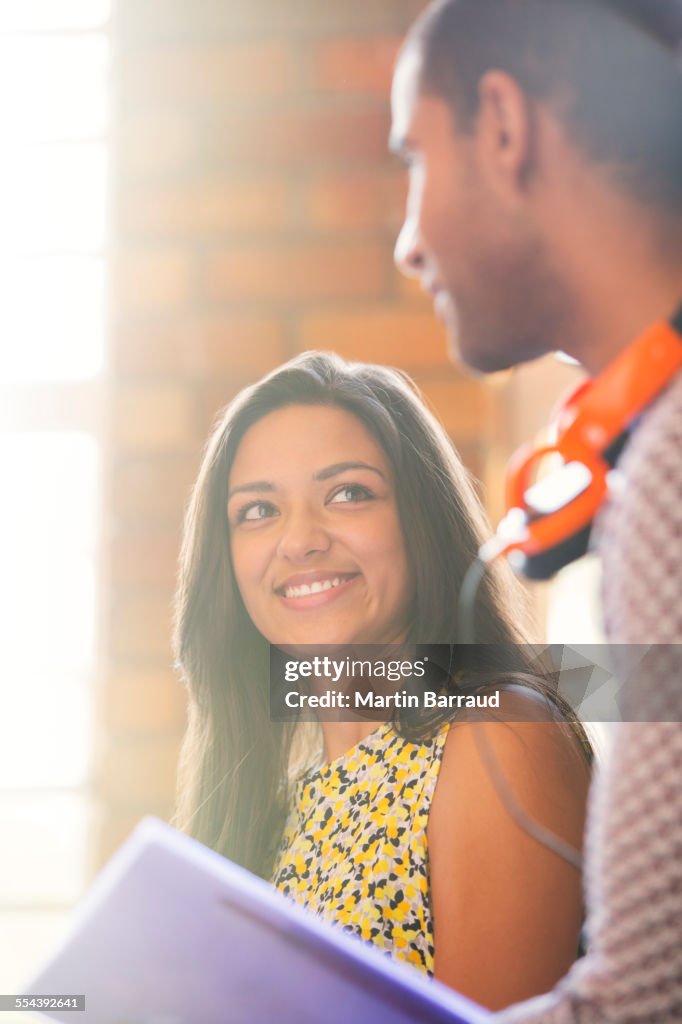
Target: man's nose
x,y
408,254
303,535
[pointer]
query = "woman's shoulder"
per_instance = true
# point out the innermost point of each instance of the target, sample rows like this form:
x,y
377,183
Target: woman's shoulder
x,y
509,775
525,745
519,701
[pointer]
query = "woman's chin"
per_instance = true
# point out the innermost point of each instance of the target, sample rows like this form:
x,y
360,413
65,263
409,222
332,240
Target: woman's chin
x,y
318,638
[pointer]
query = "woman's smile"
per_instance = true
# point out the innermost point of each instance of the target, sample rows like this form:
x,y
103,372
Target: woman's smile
x,y
310,590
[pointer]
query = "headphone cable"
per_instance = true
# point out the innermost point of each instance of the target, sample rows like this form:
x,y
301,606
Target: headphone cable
x,y
466,617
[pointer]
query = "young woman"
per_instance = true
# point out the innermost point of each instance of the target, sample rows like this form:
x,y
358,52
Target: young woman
x,y
331,509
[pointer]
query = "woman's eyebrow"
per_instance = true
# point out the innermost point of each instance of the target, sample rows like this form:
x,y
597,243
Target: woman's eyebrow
x,y
342,467
263,486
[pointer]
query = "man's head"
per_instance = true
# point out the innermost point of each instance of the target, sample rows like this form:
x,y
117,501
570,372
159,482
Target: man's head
x,y
514,115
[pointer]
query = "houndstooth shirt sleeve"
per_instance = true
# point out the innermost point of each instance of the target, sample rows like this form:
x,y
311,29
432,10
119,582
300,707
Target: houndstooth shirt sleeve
x,y
632,973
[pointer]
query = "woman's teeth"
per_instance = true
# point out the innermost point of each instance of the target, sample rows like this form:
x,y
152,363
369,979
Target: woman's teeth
x,y
314,588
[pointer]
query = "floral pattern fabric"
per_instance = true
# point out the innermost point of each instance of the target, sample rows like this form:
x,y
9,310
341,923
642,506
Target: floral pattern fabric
x,y
355,846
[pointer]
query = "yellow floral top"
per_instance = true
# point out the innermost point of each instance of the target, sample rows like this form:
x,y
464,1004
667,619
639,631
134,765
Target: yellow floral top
x,y
355,848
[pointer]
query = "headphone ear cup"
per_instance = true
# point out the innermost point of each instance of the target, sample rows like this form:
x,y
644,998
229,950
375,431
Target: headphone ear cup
x,y
548,522
557,538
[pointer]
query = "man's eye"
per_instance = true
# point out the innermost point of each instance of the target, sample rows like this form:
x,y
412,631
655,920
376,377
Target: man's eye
x,y
351,492
257,510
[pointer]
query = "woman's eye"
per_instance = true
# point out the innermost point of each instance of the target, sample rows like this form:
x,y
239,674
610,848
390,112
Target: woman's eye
x,y
255,512
351,492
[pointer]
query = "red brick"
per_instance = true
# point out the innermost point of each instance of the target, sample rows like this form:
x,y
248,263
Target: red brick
x,y
299,138
388,334
351,201
492,472
362,65
152,490
154,418
207,74
144,560
154,280
218,393
200,347
299,272
141,629
409,288
210,19
396,200
174,348
154,144
205,208
145,702
244,346
465,407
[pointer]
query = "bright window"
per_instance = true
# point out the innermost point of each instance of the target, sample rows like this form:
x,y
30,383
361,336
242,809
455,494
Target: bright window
x,y
54,102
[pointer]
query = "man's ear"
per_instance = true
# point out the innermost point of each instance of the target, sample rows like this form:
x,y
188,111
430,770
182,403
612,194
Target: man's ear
x,y
504,132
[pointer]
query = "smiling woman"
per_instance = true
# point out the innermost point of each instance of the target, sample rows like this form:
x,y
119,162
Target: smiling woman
x,y
317,545
331,508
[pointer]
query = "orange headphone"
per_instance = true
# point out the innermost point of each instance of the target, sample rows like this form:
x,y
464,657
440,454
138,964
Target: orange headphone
x,y
549,519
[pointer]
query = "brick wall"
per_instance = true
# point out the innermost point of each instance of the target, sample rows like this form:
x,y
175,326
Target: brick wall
x,y
255,213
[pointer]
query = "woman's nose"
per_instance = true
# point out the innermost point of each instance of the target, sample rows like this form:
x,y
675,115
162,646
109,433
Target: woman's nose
x,y
408,254
303,535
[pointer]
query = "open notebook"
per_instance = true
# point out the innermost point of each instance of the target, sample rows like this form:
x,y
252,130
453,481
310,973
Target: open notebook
x,y
172,933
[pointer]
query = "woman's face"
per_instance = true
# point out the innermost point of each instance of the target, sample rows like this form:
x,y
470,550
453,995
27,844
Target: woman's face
x,y
317,546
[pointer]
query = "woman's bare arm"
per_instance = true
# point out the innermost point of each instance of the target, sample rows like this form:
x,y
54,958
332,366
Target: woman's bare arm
x,y
507,910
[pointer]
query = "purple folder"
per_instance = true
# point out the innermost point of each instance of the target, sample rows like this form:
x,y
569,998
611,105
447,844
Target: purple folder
x,y
172,933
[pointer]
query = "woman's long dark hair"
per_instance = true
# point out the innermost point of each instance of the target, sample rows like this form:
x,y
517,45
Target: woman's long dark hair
x,y
235,760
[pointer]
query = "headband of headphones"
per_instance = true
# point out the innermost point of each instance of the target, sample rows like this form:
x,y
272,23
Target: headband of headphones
x,y
549,517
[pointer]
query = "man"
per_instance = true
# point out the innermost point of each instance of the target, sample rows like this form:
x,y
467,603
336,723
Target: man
x,y
543,140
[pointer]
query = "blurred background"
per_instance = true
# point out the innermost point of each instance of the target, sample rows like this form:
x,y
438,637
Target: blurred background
x,y
190,193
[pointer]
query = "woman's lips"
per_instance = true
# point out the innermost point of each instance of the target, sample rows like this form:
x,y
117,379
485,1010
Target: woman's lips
x,y
300,593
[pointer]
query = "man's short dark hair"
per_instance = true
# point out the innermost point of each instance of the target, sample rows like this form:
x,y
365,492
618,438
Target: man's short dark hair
x,y
610,69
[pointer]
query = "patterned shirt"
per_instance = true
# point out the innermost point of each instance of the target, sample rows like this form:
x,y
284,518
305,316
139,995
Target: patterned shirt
x,y
632,973
355,846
